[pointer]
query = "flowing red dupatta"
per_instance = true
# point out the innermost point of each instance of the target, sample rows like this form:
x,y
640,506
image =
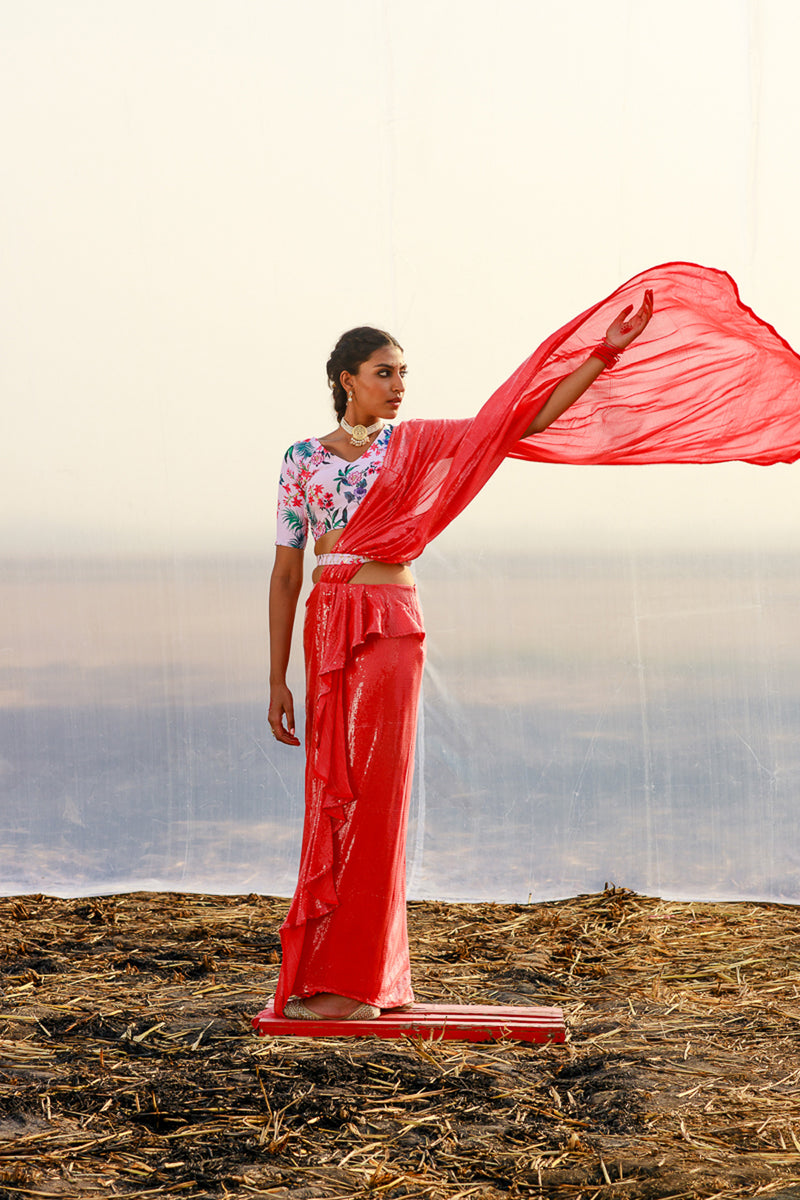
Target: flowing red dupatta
x,y
707,381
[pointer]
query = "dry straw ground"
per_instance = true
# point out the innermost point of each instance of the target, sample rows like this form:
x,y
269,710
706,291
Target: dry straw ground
x,y
129,1067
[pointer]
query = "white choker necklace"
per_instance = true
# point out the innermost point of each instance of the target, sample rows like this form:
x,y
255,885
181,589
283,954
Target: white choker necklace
x,y
359,434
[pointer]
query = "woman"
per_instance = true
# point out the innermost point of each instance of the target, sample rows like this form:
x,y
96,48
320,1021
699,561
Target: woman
x,y
372,496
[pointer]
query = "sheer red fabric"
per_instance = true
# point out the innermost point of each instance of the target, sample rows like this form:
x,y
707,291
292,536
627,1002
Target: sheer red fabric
x,y
708,381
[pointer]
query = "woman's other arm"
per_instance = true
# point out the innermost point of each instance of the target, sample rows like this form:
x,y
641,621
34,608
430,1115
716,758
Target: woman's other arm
x,y
621,332
284,590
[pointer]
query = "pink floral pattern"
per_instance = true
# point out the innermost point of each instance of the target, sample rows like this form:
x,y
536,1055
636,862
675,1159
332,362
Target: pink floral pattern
x,y
318,490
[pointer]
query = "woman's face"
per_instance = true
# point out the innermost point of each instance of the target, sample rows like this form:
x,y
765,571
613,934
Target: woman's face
x,y
377,387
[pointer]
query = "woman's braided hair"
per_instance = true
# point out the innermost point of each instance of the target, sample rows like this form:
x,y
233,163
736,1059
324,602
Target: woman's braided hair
x,y
352,349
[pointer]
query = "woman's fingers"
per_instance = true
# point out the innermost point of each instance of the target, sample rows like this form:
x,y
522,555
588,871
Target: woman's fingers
x,y
288,709
281,734
645,313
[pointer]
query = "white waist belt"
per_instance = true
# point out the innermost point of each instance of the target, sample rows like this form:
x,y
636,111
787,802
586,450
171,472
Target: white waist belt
x,y
330,560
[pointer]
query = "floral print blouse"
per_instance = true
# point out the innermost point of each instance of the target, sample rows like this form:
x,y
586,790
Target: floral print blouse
x,y
319,491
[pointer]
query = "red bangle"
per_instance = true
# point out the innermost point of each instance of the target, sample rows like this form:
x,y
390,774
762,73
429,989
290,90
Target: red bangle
x,y
608,354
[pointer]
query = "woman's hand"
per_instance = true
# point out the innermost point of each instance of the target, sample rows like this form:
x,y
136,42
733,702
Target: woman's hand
x,y
622,331
620,334
281,705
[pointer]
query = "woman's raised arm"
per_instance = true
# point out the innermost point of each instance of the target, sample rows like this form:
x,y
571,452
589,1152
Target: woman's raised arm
x,y
284,590
620,333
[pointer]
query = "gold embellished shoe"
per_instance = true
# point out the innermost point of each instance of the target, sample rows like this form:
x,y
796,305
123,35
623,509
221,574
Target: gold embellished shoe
x,y
296,1010
364,1012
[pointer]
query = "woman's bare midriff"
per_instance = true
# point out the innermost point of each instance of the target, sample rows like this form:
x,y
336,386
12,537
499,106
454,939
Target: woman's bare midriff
x,y
371,572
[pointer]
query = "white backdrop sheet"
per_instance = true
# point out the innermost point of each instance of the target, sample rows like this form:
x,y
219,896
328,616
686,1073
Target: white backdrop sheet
x,y
622,717
200,196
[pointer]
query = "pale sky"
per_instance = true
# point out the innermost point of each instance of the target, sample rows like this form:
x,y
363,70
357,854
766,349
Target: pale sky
x,y
198,196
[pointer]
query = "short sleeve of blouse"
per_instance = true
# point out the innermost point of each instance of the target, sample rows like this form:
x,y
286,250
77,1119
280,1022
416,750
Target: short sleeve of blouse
x,y
292,516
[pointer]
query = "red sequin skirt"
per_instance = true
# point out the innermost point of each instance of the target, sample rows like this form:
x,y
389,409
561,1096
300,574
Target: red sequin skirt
x,y
346,928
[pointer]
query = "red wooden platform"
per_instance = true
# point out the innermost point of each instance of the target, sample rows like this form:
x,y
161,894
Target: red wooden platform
x,y
452,1022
